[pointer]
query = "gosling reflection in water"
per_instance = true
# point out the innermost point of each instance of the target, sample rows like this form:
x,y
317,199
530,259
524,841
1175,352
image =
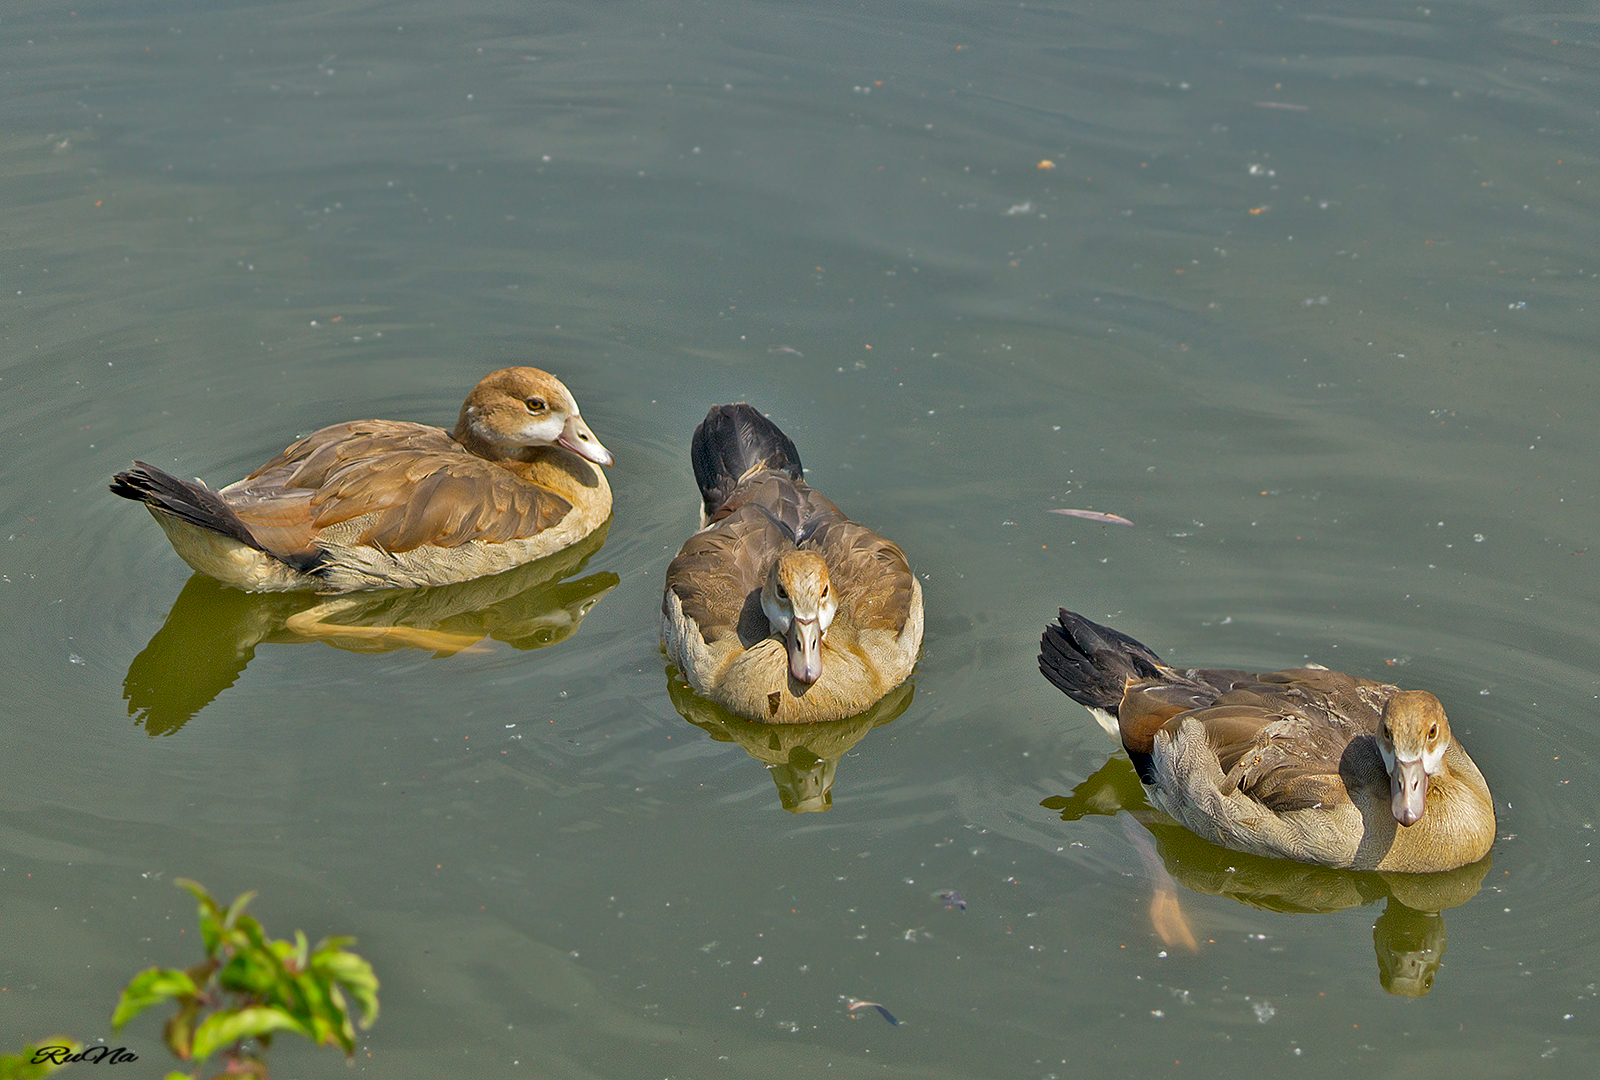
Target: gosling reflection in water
x,y
802,759
212,631
1409,936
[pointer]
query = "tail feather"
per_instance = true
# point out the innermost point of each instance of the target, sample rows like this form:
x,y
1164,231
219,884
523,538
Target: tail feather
x,y
191,502
731,444
1091,663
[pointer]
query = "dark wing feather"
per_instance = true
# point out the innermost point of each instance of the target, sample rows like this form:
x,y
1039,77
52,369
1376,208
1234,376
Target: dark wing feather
x,y
1094,664
731,445
191,502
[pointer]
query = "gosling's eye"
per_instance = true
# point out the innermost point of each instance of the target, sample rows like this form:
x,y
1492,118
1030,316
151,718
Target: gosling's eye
x,y
825,592
1386,733
535,404
1433,732
783,593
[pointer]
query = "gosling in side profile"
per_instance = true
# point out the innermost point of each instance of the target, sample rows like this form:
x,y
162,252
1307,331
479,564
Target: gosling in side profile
x,y
1306,764
374,504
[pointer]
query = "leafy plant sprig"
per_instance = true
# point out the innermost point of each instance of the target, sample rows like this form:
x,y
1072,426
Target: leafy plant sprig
x,y
249,987
38,1059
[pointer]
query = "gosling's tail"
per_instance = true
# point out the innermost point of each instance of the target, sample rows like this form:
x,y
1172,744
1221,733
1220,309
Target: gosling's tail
x,y
191,502
733,444
1091,663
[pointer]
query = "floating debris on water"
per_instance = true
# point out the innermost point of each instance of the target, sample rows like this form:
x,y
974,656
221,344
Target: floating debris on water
x,y
856,1003
951,899
1092,515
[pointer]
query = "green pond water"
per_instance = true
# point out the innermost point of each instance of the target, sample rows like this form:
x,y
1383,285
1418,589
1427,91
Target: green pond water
x,y
1305,291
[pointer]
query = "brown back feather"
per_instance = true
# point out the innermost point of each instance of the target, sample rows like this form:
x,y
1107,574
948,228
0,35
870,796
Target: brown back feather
x,y
424,487
1289,740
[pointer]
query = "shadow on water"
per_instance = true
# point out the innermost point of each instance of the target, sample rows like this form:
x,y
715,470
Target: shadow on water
x,y
802,759
212,631
1408,937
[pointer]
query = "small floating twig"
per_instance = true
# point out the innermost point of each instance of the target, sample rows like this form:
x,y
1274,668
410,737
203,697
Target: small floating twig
x,y
1092,515
857,1003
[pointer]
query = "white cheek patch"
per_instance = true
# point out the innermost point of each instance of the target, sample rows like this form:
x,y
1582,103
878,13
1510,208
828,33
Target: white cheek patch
x,y
537,431
544,429
825,613
1433,760
777,617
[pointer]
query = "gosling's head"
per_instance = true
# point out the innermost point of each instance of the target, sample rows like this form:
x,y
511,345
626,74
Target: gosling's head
x,y
516,408
799,604
1412,737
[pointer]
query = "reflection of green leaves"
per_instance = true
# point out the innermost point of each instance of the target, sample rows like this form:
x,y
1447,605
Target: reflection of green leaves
x,y
251,987
23,1067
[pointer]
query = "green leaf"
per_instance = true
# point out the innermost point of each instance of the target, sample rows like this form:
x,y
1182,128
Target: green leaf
x,y
249,934
197,890
223,1028
251,972
150,988
235,911
329,1017
347,1033
354,974
210,915
201,973
181,1076
24,1067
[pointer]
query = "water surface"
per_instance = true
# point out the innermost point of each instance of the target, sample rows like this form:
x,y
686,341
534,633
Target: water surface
x,y
1301,290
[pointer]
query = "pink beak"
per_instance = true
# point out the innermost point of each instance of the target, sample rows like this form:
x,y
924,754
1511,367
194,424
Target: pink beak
x,y
805,650
577,437
1408,791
